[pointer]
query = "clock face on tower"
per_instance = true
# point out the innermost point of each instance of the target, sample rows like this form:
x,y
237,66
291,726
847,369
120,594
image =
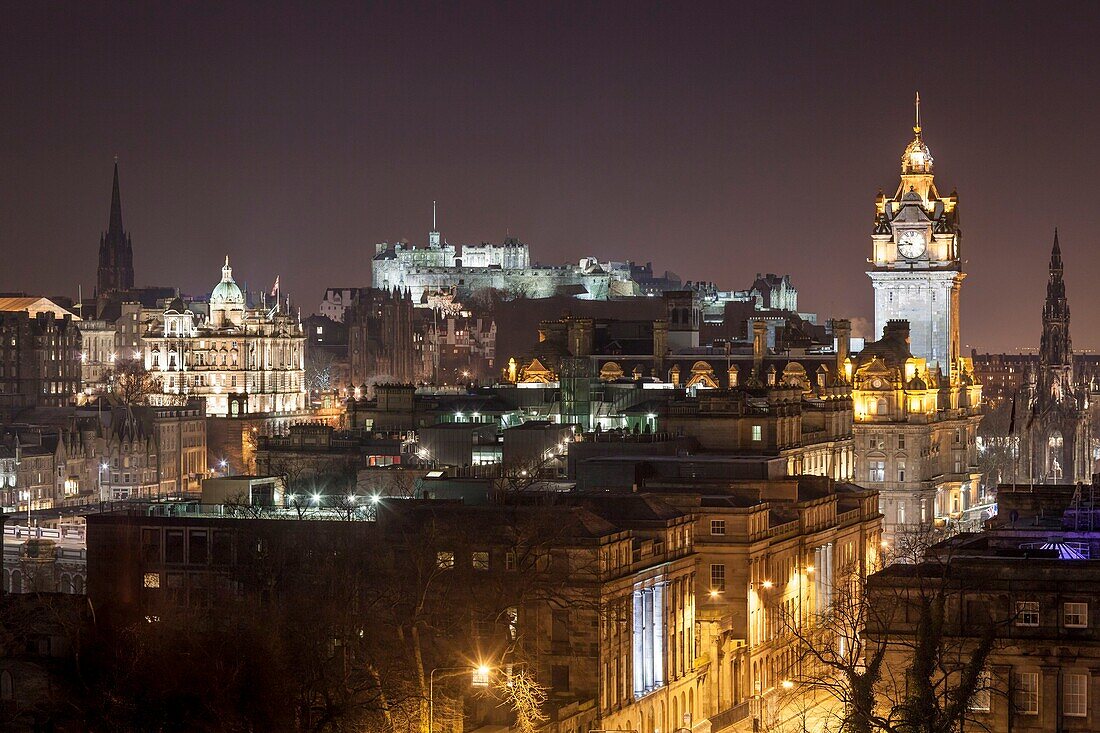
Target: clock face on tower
x,y
911,244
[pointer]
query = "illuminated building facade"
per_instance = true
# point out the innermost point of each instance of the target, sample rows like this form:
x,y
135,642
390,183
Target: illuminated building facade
x,y
241,360
915,434
506,267
770,557
917,402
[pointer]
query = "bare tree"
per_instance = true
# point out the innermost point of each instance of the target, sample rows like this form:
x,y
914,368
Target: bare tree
x,y
887,651
132,384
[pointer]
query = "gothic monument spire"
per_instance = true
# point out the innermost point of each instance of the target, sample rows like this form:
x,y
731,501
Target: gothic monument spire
x,y
1055,348
116,256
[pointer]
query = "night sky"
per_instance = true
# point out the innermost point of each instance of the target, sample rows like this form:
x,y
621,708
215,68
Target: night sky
x,y
716,141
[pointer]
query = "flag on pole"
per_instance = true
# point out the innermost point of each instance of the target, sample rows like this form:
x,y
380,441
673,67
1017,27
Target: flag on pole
x,y
275,287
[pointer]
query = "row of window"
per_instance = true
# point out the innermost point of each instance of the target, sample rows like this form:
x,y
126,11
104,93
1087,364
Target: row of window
x,y
479,560
1075,614
1026,697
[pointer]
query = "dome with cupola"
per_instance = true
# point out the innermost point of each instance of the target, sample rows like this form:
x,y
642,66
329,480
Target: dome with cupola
x,y
226,300
227,291
917,158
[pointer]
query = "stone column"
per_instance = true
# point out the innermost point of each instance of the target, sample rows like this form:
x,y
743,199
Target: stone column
x,y
647,638
639,649
659,637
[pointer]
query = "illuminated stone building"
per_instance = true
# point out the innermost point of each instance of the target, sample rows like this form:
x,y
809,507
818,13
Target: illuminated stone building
x,y
917,402
1056,440
241,360
915,433
97,355
506,267
770,556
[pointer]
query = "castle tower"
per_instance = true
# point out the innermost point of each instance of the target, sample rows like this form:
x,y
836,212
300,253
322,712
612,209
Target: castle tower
x,y
916,269
116,256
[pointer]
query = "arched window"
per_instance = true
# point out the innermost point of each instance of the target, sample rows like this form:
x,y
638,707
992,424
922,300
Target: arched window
x,y
78,585
16,581
7,686
66,583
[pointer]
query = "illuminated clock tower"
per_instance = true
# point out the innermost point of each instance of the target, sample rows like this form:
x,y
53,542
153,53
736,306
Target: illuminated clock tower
x,y
915,265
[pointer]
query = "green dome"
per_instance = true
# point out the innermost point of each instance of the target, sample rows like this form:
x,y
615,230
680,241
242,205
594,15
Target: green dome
x,y
227,292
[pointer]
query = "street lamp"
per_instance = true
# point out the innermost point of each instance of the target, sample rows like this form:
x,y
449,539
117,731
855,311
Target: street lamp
x,y
103,467
479,678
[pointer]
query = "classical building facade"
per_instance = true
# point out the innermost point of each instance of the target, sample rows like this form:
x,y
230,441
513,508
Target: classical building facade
x,y
1056,444
241,360
916,265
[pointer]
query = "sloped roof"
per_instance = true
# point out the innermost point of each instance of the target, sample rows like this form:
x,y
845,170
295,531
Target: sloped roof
x,y
35,305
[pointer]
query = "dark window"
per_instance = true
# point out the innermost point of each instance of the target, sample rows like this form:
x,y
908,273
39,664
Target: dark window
x,y
173,546
150,545
197,546
222,548
559,677
560,626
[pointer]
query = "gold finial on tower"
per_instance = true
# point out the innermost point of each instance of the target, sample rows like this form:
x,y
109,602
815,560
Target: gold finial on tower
x,y
916,127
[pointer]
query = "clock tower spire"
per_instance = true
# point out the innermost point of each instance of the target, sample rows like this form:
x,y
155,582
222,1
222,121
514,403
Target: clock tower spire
x,y
915,266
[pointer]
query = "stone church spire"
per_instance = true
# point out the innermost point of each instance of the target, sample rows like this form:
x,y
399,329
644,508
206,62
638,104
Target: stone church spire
x,y
1055,348
116,256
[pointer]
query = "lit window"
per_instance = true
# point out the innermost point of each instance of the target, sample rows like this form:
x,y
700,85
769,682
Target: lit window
x,y
1075,615
152,580
876,470
1026,692
757,433
1075,695
717,526
444,560
510,560
480,560
1027,613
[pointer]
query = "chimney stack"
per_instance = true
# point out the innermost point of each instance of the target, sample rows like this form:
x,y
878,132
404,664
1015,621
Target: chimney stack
x,y
842,332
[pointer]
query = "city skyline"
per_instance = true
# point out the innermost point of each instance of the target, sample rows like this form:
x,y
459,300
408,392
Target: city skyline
x,y
296,167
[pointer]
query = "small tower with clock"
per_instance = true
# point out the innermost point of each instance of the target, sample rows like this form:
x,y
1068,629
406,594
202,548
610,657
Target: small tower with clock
x,y
915,267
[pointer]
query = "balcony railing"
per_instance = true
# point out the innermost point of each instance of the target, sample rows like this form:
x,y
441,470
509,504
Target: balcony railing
x,y
730,716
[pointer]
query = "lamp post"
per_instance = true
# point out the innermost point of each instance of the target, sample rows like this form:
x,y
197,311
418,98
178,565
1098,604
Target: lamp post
x,y
102,467
481,672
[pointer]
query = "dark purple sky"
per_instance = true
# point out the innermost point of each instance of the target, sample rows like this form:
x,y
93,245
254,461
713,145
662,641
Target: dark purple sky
x,y
716,142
